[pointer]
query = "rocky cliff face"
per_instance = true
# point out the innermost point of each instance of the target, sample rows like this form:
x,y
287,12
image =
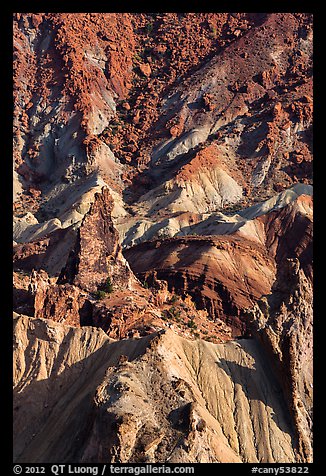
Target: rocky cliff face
x,y
163,237
284,323
97,254
158,398
205,269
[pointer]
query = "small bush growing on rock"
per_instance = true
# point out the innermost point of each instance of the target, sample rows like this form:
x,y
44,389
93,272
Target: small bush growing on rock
x,y
191,323
176,314
108,286
173,299
213,31
100,295
149,28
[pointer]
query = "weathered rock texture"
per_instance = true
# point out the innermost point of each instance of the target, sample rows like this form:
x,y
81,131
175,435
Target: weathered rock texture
x,y
224,275
163,199
284,323
97,253
160,398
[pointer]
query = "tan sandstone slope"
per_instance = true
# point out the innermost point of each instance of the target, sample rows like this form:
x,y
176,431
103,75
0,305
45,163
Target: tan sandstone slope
x,y
79,396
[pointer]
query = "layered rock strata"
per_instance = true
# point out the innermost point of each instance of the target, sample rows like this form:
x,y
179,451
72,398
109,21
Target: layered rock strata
x,y
223,275
163,237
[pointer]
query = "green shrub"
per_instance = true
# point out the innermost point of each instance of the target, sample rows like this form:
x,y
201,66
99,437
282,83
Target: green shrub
x,y
191,323
173,299
176,314
100,295
149,28
138,57
108,286
164,315
213,31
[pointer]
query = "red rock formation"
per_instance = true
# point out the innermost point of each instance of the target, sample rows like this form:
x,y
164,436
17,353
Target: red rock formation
x,y
88,61
97,255
224,275
46,253
62,303
289,233
193,113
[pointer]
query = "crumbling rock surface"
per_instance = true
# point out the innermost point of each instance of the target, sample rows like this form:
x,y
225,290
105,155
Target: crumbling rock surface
x,y
63,303
258,93
289,233
226,274
160,398
124,309
49,253
163,199
283,321
223,274
97,252
115,94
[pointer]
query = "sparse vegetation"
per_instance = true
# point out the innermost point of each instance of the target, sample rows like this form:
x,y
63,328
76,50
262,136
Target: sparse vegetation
x,y
100,295
164,316
108,286
137,57
174,299
149,28
174,313
191,324
213,31
104,289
